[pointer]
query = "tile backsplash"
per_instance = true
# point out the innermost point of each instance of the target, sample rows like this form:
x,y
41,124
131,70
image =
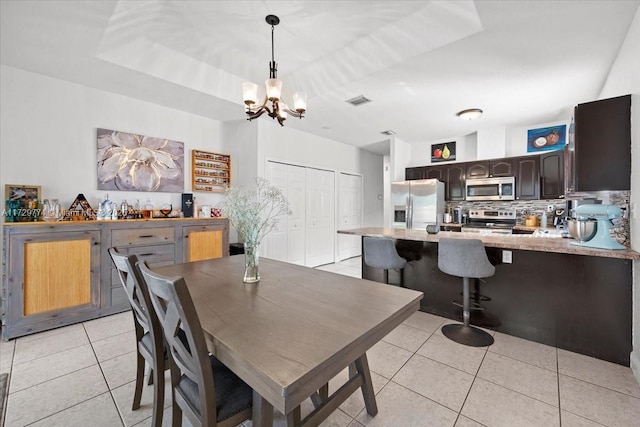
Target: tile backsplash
x,y
537,207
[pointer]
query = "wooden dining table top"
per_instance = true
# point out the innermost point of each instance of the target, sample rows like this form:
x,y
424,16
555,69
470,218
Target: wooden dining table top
x,y
296,328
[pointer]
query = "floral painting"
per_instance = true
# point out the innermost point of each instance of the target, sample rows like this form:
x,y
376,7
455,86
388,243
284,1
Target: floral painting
x,y
546,139
129,162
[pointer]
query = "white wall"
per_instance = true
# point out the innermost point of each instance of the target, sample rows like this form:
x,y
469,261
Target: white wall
x,y
623,79
269,141
400,157
48,136
492,143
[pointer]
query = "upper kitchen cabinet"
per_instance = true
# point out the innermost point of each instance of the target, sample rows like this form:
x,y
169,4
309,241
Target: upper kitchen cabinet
x,y
490,168
455,180
435,172
479,169
552,175
602,145
502,167
527,177
415,173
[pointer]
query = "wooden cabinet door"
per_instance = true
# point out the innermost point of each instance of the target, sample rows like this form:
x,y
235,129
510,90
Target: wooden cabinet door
x,y
603,145
454,188
552,175
477,169
502,167
414,173
205,242
435,172
527,177
51,276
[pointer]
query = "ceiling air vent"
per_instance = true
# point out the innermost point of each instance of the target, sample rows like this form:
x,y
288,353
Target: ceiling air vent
x,y
388,132
358,100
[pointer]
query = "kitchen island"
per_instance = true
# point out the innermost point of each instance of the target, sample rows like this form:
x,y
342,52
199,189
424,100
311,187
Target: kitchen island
x,y
572,297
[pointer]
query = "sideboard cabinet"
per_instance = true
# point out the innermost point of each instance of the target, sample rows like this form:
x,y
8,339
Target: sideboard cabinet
x,y
57,274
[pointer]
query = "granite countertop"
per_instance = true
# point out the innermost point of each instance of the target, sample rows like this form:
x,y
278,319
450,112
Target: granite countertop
x,y
525,242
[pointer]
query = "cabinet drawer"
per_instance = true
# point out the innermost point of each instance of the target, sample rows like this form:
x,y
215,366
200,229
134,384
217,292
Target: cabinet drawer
x,y
143,236
154,254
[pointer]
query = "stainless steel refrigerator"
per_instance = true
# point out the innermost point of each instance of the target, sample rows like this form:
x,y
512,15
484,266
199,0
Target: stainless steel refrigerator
x,y
417,204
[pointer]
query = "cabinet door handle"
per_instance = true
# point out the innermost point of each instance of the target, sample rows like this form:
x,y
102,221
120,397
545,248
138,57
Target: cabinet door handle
x,y
147,254
146,235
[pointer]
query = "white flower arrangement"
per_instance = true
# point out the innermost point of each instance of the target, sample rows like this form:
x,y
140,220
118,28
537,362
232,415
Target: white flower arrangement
x,y
254,212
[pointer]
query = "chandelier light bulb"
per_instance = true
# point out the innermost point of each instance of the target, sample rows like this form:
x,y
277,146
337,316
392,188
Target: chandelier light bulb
x,y
250,93
300,101
274,89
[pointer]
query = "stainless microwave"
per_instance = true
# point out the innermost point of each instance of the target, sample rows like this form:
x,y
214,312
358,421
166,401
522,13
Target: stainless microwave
x,y
502,188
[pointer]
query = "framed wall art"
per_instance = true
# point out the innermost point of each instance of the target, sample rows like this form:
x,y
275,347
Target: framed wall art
x,y
130,162
443,152
22,202
546,139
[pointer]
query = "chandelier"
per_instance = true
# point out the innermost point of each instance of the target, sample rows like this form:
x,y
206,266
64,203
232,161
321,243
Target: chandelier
x,y
279,109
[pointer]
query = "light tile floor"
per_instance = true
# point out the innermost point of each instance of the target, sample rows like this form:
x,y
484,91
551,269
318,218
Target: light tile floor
x,y
83,375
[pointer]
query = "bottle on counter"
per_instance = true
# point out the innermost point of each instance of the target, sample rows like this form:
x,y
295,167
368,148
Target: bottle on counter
x,y
543,220
147,212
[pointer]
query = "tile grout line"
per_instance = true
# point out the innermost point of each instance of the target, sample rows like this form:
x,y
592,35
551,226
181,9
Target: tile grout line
x,y
113,399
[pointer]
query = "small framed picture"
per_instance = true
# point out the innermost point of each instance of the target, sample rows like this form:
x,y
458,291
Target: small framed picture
x,y
443,152
546,139
22,202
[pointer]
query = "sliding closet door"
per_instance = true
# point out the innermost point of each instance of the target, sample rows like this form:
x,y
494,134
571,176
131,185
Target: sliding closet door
x,y
320,217
349,214
296,231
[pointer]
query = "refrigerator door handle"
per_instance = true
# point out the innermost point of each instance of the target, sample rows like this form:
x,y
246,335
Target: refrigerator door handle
x,y
409,213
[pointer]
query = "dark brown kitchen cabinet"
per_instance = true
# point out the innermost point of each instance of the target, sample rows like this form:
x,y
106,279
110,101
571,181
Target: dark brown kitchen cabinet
x,y
603,145
552,175
414,173
502,167
527,177
455,181
478,169
435,172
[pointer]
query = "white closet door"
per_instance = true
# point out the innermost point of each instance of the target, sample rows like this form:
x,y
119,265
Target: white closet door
x,y
350,214
296,233
320,215
275,243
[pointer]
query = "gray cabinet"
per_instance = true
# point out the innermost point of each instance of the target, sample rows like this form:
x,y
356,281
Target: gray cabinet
x,y
57,274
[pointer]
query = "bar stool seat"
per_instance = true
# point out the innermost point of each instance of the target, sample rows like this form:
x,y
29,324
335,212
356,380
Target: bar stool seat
x,y
468,259
381,253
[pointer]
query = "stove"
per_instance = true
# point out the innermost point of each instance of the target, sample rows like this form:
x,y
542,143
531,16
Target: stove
x,y
494,221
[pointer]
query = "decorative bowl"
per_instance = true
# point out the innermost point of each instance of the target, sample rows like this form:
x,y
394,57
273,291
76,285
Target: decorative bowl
x,y
582,230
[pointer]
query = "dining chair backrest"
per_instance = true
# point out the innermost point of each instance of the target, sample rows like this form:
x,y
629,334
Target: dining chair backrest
x,y
133,287
150,344
174,309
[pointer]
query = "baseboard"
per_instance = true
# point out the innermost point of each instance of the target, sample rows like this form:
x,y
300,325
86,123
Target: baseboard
x,y
635,364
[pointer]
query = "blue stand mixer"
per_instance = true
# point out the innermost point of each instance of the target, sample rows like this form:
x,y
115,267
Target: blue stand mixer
x,y
602,214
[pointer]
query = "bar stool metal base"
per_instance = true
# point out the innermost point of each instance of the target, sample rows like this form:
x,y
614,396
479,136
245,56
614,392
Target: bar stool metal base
x,y
467,335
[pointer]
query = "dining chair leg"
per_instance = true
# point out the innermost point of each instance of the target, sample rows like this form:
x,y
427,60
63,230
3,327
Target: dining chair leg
x,y
176,415
137,394
158,392
362,365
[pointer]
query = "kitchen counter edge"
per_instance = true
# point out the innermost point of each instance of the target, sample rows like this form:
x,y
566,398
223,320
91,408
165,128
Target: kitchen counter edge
x,y
512,241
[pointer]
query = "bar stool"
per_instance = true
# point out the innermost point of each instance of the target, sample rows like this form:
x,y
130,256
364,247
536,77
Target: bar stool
x,y
465,258
382,253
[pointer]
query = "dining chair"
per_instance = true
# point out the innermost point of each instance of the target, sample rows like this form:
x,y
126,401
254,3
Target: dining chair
x,y
206,391
149,341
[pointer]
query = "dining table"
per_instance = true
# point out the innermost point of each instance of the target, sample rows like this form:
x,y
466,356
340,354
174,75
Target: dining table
x,y
290,333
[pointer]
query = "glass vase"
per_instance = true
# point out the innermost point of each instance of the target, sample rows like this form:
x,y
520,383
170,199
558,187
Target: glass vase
x,y
251,257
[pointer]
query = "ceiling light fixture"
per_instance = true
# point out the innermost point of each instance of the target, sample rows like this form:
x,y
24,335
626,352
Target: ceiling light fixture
x,y
470,114
279,110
